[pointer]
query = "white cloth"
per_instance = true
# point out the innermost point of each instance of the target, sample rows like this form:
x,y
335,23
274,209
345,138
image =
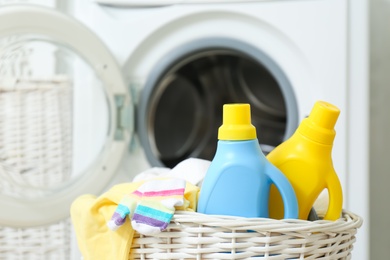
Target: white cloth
x,y
192,170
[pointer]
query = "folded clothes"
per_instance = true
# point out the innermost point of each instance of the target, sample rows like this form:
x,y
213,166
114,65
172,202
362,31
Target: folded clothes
x,y
90,215
151,206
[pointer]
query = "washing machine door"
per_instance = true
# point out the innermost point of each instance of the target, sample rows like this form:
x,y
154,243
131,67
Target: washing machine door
x,y
65,115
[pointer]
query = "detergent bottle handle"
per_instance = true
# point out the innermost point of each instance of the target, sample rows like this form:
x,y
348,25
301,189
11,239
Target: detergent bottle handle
x,y
335,197
290,202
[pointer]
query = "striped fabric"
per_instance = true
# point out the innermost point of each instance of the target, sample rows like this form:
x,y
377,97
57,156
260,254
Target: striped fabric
x,y
125,207
156,201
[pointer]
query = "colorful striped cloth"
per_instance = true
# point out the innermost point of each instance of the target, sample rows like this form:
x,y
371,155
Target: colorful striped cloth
x,y
125,207
151,206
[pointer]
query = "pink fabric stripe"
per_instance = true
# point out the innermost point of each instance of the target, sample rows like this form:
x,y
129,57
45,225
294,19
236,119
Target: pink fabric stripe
x,y
138,193
164,192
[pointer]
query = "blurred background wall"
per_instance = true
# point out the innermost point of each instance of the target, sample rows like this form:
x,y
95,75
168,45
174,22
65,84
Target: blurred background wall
x,y
379,129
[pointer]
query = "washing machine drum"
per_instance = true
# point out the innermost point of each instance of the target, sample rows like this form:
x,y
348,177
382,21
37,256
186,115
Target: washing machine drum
x,y
181,105
65,115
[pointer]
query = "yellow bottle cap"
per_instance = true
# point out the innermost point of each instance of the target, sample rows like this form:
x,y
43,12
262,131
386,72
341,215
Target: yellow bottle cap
x,y
319,126
236,123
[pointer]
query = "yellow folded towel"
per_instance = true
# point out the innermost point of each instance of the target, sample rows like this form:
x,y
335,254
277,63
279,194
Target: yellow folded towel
x,y
90,215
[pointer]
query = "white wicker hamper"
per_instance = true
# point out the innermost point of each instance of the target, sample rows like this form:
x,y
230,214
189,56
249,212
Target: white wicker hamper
x,y
35,153
197,236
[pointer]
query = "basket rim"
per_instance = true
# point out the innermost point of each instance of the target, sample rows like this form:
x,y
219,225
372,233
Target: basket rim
x,y
349,221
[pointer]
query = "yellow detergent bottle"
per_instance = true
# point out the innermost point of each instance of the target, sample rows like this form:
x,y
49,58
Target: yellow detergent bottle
x,y
306,160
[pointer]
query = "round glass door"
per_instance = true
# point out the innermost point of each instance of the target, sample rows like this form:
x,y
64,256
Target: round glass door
x,y
58,123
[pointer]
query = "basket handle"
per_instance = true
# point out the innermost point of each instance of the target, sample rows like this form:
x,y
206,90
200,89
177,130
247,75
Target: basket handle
x,y
335,197
290,202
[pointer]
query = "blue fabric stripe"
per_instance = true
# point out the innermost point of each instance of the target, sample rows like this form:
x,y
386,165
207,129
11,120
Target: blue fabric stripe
x,y
140,219
122,210
153,213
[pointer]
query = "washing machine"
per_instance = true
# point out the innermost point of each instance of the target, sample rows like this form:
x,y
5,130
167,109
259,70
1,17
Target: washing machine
x,y
183,61
123,86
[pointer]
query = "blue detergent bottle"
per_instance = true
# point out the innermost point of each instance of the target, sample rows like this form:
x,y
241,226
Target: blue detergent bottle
x,y
239,178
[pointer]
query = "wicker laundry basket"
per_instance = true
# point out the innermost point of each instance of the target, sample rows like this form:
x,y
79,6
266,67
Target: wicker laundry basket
x,y
35,153
198,236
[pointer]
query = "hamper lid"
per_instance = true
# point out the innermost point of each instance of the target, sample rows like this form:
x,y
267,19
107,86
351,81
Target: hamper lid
x,y
65,115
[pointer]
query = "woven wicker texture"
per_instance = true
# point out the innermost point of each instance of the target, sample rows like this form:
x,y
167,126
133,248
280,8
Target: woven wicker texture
x,y
35,154
35,135
198,236
41,243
